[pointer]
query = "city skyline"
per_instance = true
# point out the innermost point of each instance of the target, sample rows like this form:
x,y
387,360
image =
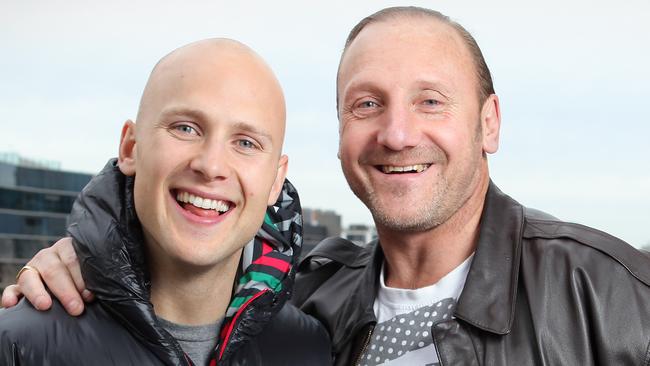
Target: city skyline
x,y
572,79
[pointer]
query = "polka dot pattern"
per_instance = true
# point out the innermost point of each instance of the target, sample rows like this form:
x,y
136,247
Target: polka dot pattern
x,y
406,332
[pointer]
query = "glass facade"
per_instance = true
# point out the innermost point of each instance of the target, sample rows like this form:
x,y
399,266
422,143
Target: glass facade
x,y
17,176
34,204
21,249
11,223
14,199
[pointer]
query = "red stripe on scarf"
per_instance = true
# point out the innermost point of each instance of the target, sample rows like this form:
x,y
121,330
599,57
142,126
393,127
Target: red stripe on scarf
x,y
266,248
273,262
234,319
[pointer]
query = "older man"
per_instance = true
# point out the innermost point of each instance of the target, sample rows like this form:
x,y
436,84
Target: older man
x,y
461,274
160,232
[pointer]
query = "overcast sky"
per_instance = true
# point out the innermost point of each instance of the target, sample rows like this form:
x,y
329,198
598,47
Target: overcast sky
x,y
572,77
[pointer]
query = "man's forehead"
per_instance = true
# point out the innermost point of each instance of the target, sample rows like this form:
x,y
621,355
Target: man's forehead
x,y
402,40
221,69
421,32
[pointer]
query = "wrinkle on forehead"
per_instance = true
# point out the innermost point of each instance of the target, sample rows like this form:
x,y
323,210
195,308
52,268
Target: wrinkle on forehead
x,y
422,32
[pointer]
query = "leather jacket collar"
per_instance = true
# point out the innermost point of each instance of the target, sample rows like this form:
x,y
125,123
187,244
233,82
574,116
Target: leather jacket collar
x,y
488,299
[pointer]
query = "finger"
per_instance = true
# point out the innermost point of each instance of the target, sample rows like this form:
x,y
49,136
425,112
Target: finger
x,y
10,296
66,253
56,276
87,295
31,285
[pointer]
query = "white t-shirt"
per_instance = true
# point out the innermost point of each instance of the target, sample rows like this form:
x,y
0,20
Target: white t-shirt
x,y
402,335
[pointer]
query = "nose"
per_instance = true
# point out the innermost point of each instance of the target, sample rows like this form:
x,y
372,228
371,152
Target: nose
x,y
210,161
398,129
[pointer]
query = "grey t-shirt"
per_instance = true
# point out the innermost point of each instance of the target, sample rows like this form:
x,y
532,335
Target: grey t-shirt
x,y
198,341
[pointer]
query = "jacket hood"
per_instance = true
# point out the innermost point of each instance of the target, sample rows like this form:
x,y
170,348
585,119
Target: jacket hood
x,y
107,237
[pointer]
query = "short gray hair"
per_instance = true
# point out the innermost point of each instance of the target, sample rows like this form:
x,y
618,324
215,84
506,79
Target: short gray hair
x,y
486,87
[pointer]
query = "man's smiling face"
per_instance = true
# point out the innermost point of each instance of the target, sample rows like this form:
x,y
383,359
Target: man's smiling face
x,y
206,152
411,142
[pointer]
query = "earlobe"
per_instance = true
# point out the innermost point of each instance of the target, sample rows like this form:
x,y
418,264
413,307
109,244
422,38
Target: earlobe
x,y
127,153
491,123
281,174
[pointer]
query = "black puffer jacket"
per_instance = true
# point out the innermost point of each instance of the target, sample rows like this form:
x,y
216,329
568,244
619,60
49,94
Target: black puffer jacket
x,y
539,292
120,328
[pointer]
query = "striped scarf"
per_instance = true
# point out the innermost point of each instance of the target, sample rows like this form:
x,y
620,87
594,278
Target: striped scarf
x,y
267,276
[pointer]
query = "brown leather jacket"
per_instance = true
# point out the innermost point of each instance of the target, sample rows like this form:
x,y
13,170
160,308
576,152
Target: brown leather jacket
x,y
539,292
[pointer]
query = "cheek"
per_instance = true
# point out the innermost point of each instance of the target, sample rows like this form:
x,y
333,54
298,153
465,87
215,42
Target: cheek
x,y
451,140
256,181
150,189
351,142
152,172
165,152
256,188
143,203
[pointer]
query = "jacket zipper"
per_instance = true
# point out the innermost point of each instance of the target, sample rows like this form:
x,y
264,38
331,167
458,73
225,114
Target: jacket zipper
x,y
234,320
365,345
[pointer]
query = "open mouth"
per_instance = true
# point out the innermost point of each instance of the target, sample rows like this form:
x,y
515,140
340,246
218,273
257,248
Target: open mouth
x,y
201,206
394,169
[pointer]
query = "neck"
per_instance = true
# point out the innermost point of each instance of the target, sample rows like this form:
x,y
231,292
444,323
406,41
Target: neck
x,y
419,259
192,295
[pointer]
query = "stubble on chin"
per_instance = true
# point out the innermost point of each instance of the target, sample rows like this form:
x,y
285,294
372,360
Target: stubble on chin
x,y
399,209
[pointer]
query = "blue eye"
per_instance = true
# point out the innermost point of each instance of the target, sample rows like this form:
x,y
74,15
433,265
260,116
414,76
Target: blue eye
x,y
247,144
186,129
368,104
431,102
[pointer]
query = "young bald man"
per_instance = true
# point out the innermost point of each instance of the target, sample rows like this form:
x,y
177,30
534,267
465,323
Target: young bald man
x,y
174,238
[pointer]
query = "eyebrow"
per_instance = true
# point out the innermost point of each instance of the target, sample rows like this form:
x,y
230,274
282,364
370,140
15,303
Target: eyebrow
x,y
200,115
434,85
356,86
372,87
183,111
244,126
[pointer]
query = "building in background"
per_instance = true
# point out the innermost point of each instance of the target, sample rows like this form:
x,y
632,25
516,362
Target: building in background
x,y
360,234
36,197
318,225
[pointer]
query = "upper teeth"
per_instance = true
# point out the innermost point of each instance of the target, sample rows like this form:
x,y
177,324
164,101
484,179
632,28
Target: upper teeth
x,y
200,202
409,168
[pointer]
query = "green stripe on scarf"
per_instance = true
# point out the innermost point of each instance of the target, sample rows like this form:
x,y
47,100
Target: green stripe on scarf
x,y
267,219
238,301
270,281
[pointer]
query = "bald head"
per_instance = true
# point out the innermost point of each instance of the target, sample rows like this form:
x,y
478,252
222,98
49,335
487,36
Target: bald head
x,y
219,64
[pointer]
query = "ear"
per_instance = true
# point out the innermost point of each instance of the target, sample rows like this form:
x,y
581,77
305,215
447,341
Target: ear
x,y
491,123
338,151
127,156
281,174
